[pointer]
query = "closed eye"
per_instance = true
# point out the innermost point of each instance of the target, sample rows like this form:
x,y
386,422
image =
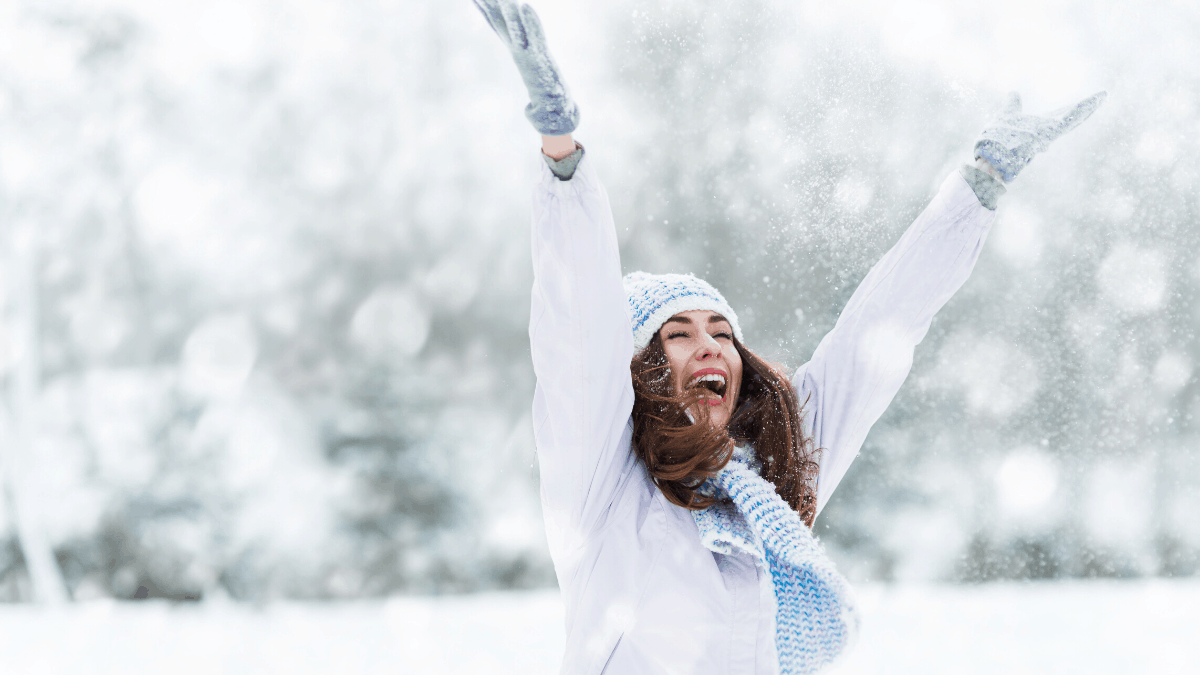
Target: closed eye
x,y
727,336
677,334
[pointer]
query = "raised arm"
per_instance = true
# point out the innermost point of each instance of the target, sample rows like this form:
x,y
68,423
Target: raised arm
x,y
579,331
581,345
859,366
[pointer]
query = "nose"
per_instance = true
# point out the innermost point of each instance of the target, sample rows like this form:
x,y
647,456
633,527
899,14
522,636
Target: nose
x,y
709,348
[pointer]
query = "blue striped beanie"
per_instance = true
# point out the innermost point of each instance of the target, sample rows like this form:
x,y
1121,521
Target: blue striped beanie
x,y
654,298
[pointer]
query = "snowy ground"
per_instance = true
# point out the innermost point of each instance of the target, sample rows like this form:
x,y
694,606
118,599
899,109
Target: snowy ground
x,y
1149,627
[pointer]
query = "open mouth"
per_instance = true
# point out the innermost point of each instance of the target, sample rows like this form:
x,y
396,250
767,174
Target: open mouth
x,y
714,383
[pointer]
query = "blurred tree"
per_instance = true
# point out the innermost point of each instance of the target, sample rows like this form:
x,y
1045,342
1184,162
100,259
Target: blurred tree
x,y
19,431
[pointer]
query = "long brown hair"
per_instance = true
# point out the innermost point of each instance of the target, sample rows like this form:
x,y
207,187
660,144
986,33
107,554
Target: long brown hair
x,y
681,454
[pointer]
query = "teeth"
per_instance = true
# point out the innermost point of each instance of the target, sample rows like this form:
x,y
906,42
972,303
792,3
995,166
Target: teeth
x,y
711,377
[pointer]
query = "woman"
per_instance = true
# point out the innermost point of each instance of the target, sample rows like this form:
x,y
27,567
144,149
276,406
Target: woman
x,y
681,473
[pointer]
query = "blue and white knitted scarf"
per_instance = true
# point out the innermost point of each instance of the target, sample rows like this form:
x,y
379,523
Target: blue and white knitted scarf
x,y
816,618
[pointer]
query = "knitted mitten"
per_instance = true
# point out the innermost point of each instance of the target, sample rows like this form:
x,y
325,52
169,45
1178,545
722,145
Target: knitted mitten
x,y
1011,140
550,109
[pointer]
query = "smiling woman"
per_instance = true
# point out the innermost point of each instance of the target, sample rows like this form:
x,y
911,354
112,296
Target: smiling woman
x,y
700,352
698,393
680,472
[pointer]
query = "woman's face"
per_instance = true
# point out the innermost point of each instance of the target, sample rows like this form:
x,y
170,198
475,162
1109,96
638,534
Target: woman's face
x,y
700,351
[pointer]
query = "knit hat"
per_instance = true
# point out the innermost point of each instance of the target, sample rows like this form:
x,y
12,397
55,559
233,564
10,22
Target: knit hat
x,y
654,298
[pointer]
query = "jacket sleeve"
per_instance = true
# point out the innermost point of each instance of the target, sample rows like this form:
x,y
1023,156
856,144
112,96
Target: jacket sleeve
x,y
859,366
581,345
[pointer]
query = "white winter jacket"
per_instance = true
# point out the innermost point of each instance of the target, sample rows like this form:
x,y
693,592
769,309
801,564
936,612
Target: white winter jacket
x,y
642,595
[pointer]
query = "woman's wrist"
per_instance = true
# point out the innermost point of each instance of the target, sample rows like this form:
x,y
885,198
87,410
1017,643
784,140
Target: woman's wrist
x,y
986,167
988,187
564,167
558,147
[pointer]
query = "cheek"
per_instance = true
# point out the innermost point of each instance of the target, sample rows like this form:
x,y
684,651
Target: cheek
x,y
735,367
677,362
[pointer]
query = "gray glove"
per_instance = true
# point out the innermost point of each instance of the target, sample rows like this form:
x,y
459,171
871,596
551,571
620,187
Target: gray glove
x,y
550,109
1011,140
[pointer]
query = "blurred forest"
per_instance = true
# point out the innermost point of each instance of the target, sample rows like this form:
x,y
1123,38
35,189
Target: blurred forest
x,y
266,270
